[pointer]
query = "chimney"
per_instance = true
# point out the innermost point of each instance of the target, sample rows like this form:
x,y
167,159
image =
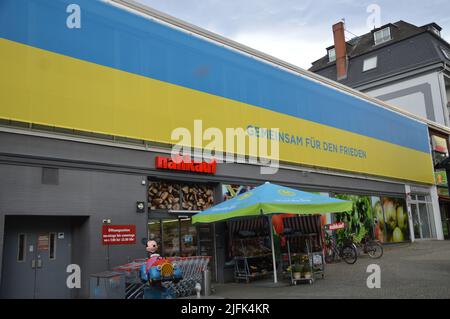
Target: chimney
x,y
341,51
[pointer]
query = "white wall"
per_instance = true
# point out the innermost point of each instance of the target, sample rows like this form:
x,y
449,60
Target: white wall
x,y
436,213
415,102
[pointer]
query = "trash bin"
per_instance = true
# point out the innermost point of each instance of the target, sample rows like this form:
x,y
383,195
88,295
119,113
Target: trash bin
x,y
107,285
206,283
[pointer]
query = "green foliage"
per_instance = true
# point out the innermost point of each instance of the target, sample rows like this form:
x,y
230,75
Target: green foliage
x,y
359,221
297,268
307,268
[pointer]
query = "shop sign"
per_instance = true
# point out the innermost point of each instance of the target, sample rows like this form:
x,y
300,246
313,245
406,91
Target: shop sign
x,y
119,234
439,144
335,226
441,178
443,191
184,163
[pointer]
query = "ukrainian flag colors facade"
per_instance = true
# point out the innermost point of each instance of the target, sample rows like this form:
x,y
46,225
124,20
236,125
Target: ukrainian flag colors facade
x,y
125,75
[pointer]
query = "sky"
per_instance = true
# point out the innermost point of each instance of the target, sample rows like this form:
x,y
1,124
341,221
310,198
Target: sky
x,y
299,31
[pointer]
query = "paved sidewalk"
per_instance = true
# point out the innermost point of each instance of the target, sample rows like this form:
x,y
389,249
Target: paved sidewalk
x,y
419,270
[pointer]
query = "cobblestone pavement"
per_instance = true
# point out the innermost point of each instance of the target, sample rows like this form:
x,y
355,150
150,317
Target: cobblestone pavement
x,y
418,270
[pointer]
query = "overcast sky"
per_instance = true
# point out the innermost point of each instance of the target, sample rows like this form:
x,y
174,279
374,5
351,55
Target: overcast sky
x,y
298,31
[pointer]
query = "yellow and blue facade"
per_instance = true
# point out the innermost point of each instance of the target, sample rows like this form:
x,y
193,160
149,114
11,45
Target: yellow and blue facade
x,y
124,75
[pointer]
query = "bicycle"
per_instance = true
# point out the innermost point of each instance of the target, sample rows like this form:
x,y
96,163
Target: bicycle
x,y
344,251
368,246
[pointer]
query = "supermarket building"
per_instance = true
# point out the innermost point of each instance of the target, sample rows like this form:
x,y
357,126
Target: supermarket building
x,y
86,112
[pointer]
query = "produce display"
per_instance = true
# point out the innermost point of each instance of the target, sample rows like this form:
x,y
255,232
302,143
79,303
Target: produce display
x,y
166,195
250,247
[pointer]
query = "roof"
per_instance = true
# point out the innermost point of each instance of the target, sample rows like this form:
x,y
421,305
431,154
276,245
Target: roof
x,y
364,44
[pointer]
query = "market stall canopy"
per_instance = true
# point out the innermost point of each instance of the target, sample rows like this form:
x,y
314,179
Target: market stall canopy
x,y
270,199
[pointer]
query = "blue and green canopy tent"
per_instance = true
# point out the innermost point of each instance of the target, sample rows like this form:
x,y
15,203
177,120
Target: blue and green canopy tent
x,y
270,199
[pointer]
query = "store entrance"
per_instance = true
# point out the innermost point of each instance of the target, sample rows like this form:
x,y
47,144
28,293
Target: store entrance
x,y
422,214
177,236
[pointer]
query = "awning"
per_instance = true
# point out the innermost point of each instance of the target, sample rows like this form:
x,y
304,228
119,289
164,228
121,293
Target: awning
x,y
257,225
304,224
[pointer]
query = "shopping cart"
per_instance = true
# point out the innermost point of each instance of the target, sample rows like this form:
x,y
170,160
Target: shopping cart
x,y
133,283
192,269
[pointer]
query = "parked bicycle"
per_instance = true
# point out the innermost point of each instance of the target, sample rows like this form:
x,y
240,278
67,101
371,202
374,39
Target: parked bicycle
x,y
368,246
334,251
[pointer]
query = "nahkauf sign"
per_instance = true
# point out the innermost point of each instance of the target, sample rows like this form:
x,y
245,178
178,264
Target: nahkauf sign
x,y
184,163
119,234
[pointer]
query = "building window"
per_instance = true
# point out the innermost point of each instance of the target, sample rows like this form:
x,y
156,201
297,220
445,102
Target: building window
x,y
332,55
176,236
52,249
370,63
446,53
22,243
435,31
382,36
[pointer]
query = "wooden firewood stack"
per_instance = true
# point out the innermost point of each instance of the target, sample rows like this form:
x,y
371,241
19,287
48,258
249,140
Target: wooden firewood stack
x,y
162,195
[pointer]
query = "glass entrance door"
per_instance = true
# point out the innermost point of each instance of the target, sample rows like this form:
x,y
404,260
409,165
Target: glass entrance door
x,y
424,221
416,221
422,214
176,236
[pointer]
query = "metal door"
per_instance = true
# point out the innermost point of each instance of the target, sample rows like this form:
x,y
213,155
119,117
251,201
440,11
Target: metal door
x,y
36,254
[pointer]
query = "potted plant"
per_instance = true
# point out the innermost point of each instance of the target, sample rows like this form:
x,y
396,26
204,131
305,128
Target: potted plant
x,y
307,271
297,271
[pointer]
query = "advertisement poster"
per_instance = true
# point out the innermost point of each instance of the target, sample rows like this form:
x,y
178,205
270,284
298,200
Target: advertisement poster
x,y
381,218
396,223
378,219
230,191
359,221
441,182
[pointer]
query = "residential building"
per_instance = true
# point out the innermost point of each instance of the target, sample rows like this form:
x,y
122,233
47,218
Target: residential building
x,y
406,66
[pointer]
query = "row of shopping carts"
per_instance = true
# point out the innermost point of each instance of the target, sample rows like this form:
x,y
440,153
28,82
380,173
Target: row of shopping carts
x,y
192,269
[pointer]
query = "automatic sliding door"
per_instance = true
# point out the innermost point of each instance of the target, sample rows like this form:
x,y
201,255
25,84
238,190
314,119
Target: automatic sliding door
x,y
176,237
416,222
171,237
188,238
424,221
